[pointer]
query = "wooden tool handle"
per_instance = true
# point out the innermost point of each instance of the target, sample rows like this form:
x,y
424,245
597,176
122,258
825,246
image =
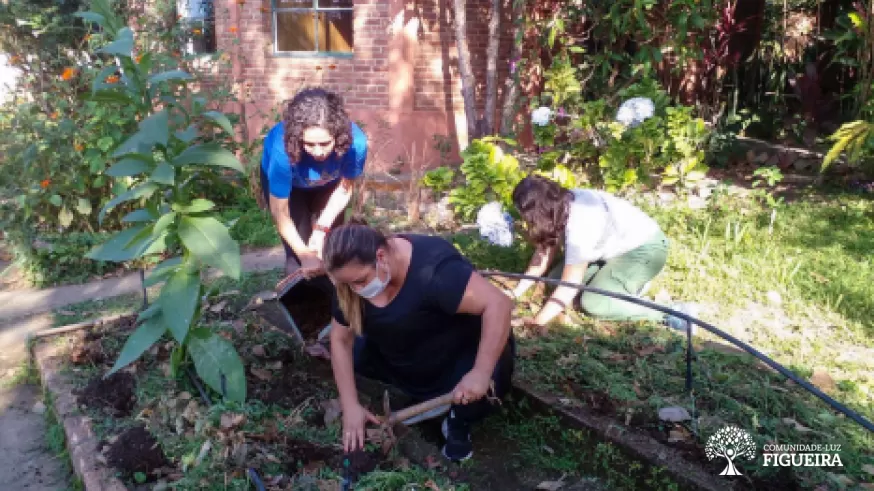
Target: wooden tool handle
x,y
420,408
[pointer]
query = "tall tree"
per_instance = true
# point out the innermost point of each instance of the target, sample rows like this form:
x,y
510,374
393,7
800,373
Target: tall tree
x,y
468,82
511,85
492,67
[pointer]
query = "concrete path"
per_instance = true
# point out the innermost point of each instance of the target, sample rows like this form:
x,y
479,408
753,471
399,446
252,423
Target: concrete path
x,y
27,463
21,303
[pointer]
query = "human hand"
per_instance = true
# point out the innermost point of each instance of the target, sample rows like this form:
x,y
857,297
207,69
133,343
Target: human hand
x,y
355,419
316,242
472,387
532,324
310,265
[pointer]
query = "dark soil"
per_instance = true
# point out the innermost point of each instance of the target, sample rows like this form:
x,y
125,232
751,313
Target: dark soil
x,y
298,380
90,350
136,450
114,394
88,353
309,304
302,454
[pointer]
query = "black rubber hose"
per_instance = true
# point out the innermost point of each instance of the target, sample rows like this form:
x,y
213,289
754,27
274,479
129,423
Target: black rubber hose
x,y
749,349
203,394
256,480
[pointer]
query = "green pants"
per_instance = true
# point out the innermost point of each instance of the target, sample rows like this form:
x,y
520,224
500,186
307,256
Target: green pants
x,y
626,274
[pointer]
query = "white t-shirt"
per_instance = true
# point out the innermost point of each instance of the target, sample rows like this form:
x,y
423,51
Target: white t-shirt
x,y
602,226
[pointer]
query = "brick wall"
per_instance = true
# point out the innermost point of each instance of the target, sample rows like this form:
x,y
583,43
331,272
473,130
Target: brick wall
x,y
438,85
425,102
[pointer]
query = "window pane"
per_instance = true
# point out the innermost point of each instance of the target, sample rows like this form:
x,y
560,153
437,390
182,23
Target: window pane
x,y
335,31
335,3
296,4
295,31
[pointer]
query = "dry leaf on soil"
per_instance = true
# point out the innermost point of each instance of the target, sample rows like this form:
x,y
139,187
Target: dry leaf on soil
x,y
431,462
215,309
648,350
262,373
231,421
318,351
551,485
798,426
679,434
258,350
332,410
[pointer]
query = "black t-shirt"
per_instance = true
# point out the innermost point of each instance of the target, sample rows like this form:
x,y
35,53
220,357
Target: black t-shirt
x,y
419,336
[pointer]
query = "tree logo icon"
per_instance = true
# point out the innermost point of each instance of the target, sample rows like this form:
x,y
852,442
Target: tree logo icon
x,y
730,443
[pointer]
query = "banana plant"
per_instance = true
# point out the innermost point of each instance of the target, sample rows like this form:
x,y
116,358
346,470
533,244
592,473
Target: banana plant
x,y
178,141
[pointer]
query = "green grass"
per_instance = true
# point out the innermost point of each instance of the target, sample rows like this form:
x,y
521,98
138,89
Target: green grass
x,y
815,256
253,227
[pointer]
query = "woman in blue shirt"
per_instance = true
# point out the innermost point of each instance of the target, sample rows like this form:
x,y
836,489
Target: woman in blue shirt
x,y
310,161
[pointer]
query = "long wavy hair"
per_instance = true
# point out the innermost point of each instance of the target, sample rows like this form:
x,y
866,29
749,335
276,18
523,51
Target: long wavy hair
x,y
349,243
544,206
316,107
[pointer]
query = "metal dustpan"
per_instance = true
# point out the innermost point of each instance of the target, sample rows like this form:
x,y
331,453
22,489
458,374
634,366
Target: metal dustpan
x,y
293,304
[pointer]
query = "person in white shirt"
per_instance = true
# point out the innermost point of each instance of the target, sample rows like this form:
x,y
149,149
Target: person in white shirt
x,y
608,244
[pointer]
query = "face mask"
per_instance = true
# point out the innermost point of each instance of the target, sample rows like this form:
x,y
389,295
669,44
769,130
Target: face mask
x,y
376,286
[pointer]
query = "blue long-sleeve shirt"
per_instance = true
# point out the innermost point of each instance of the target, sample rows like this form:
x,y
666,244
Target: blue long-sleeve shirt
x,y
283,175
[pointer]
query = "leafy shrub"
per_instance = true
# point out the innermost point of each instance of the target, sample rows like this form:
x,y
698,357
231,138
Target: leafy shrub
x,y
178,142
489,173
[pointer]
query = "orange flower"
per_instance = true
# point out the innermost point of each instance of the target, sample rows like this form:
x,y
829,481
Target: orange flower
x,y
112,79
233,29
264,10
68,73
318,67
176,54
241,2
44,183
196,31
79,147
53,115
87,36
138,58
332,67
14,60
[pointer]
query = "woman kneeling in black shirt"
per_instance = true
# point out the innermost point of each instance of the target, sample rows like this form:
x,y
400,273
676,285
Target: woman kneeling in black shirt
x,y
429,325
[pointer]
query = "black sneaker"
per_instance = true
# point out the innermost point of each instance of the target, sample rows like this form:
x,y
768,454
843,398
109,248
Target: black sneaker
x,y
457,434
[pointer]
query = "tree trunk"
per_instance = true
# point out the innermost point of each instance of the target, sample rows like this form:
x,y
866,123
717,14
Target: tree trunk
x,y
511,85
492,68
464,69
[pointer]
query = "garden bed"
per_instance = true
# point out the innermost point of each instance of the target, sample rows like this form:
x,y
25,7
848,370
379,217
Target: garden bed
x,y
288,429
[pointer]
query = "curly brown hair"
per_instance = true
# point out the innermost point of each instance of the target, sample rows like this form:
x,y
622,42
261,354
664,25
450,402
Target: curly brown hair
x,y
543,205
316,107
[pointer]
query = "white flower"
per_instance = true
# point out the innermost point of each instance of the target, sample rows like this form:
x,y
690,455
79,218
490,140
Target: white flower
x,y
495,225
541,116
635,111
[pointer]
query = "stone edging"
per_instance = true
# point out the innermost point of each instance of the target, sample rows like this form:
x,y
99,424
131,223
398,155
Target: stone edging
x,y
640,445
81,440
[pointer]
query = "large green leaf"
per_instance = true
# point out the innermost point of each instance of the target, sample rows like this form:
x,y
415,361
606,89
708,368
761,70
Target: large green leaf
x,y
169,75
123,44
215,357
114,249
164,173
90,17
127,167
196,206
209,154
188,135
210,241
162,271
141,191
178,300
156,128
221,120
165,221
141,215
139,341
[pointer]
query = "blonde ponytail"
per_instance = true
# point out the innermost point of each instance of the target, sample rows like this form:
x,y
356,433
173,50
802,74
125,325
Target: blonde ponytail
x,y
352,308
350,243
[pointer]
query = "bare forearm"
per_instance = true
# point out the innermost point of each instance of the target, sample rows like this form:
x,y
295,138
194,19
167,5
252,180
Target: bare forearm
x,y
495,332
342,364
557,303
336,204
540,262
